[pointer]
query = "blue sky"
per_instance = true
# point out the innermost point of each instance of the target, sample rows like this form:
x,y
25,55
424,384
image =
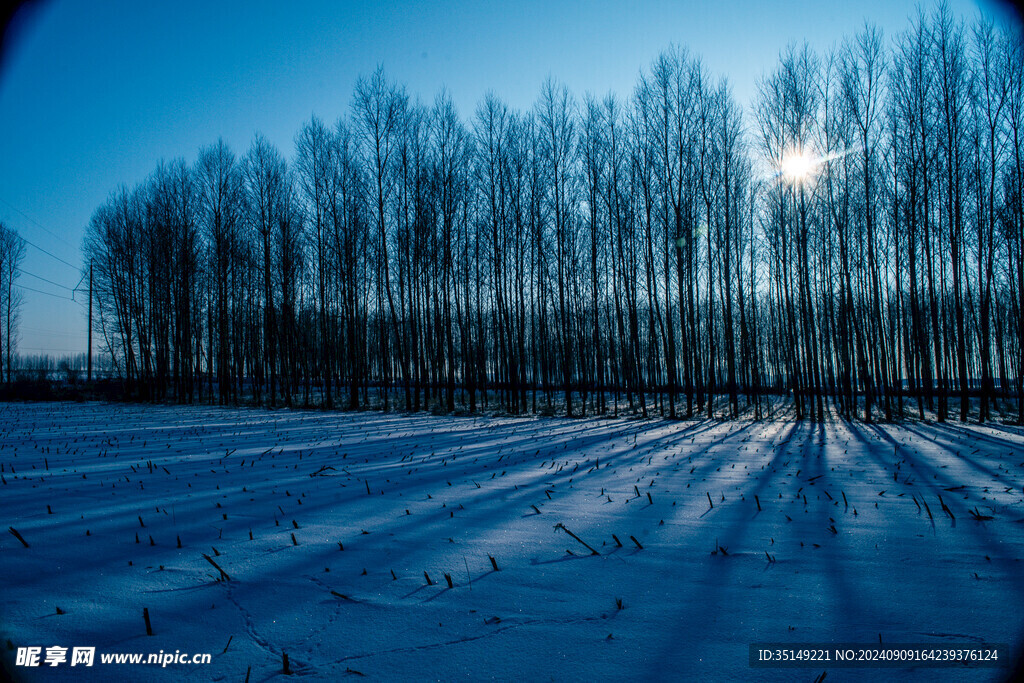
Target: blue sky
x,y
93,94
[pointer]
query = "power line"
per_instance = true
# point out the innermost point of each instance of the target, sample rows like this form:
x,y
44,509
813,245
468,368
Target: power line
x,y
40,277
33,221
51,255
40,226
52,333
39,291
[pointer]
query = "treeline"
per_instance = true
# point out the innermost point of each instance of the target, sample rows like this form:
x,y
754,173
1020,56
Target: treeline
x,y
854,239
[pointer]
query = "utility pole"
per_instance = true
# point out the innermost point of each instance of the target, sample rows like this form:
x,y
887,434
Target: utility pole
x,y
89,358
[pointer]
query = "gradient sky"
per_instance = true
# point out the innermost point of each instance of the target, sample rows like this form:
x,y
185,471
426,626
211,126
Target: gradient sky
x,y
94,94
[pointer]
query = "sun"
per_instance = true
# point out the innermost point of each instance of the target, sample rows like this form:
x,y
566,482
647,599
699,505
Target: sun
x,y
797,166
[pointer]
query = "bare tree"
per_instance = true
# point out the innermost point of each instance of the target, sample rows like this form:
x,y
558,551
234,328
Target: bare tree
x,y
12,253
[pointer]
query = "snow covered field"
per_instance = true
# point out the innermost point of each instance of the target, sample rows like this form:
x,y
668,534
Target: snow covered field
x,y
324,526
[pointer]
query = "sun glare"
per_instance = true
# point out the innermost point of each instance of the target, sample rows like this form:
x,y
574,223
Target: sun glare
x,y
797,166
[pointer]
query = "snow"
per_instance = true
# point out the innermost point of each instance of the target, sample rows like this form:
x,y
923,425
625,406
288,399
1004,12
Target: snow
x,y
448,493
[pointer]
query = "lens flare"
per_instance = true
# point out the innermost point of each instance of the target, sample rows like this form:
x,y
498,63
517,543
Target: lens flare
x,y
797,167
